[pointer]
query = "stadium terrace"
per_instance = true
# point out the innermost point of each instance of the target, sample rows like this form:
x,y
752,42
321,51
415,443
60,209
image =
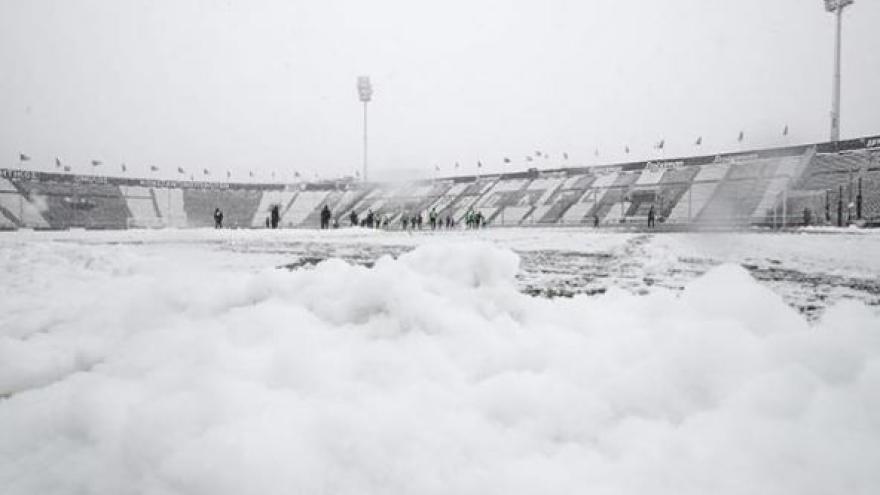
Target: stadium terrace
x,y
835,183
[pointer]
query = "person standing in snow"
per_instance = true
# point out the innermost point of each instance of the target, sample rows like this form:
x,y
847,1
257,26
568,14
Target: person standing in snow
x,y
651,217
218,218
325,217
275,216
432,218
353,218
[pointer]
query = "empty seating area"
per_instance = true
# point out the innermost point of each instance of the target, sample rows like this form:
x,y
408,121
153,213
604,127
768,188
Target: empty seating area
x,y
830,171
469,197
304,203
238,206
268,199
413,198
871,196
650,176
512,215
505,192
71,204
443,203
727,190
142,206
103,205
734,202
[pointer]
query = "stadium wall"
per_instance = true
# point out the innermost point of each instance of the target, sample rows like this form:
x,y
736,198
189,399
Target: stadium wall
x,y
819,184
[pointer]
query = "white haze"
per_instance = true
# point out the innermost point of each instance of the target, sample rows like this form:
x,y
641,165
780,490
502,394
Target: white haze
x,y
269,85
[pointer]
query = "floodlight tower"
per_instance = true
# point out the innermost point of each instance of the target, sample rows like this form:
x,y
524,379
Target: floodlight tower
x,y
365,93
836,6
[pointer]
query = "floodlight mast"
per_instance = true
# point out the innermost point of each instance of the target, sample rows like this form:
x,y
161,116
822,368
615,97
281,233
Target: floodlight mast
x,y
836,6
365,93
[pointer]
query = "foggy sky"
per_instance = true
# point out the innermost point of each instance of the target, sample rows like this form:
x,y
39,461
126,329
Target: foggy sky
x,y
270,84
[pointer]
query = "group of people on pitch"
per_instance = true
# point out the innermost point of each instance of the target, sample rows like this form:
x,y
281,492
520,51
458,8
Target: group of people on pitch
x,y
473,219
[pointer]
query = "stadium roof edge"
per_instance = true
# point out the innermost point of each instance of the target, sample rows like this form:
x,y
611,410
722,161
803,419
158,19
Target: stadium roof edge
x,y
867,142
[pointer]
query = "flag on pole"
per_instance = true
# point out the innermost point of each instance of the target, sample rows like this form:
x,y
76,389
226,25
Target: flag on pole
x,y
206,172
57,162
785,131
699,141
180,170
154,168
24,158
123,168
96,163
740,137
661,144
479,164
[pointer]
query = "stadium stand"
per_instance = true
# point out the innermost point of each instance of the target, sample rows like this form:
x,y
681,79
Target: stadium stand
x,y
25,209
539,195
341,203
268,199
871,196
169,201
781,179
238,206
565,197
302,205
410,199
443,203
824,183
470,196
704,184
504,194
142,205
10,201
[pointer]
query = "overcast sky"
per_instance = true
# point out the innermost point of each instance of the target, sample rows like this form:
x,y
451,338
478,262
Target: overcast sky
x,y
269,85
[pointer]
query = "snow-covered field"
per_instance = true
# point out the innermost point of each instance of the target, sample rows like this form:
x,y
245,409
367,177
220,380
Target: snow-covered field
x,y
353,362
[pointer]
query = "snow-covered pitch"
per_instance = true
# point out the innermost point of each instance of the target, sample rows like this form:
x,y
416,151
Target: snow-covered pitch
x,y
517,361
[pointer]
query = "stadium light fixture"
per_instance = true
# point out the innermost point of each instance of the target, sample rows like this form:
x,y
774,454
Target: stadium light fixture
x,y
836,6
365,93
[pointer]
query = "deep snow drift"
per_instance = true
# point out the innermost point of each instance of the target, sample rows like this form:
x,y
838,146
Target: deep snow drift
x,y
169,368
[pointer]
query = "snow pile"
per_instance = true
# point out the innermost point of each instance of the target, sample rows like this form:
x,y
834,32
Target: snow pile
x,y
128,372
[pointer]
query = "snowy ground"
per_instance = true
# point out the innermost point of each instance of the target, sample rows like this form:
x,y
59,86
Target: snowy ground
x,y
202,361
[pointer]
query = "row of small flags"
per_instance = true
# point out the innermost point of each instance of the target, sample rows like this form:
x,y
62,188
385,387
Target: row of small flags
x,y
97,163
659,145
